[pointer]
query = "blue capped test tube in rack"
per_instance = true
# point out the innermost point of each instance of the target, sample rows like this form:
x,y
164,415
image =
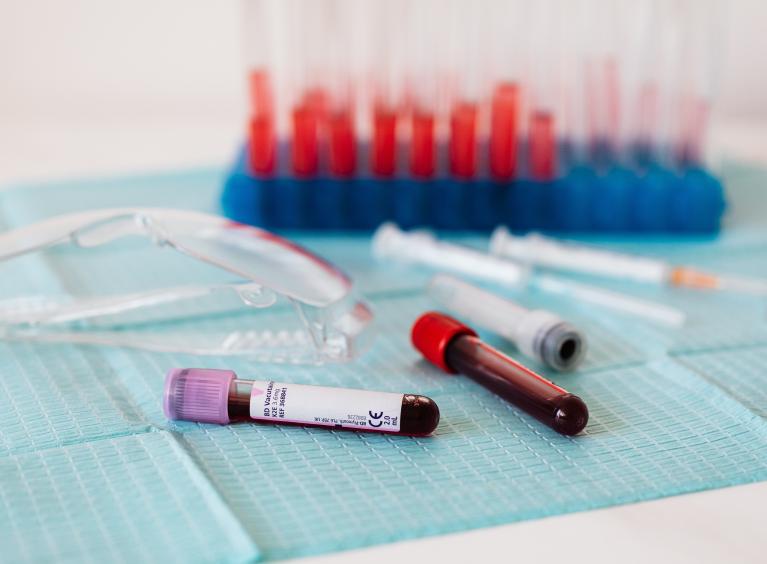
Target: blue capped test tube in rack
x,y
556,115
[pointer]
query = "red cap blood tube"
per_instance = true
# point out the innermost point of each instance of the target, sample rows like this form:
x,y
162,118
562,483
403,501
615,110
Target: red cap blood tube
x,y
218,396
454,347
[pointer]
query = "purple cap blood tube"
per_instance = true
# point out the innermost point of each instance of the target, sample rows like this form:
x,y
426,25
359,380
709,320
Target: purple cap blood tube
x,y
218,396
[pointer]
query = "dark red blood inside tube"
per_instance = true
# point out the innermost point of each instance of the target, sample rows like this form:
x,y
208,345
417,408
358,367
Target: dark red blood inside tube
x,y
542,146
384,148
343,148
305,147
454,347
503,131
422,155
211,395
463,140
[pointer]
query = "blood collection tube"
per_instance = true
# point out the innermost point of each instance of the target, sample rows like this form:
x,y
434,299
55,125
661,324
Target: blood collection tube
x,y
343,145
463,140
218,396
454,347
503,131
422,154
542,145
537,333
384,147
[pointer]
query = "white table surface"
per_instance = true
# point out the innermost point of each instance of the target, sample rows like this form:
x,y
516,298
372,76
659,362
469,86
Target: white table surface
x,y
714,526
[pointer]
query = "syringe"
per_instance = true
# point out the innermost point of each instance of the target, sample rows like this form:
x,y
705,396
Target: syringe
x,y
421,247
537,250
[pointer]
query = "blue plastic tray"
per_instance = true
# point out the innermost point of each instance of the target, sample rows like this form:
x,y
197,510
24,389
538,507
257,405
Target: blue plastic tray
x,y
619,200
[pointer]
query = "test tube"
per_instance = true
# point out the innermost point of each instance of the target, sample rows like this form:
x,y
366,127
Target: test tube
x,y
541,139
464,112
455,348
505,97
602,82
503,130
258,15
387,68
310,96
537,333
700,55
542,145
383,156
218,396
573,122
341,130
573,79
383,146
422,152
342,141
463,139
305,147
422,87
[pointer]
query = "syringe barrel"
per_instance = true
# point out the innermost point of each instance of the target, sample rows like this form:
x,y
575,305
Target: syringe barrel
x,y
537,333
534,249
420,247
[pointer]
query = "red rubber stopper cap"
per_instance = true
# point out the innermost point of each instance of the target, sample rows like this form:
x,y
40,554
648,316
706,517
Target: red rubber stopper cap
x,y
433,332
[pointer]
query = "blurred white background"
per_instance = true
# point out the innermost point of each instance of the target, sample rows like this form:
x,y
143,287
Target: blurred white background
x,y
100,86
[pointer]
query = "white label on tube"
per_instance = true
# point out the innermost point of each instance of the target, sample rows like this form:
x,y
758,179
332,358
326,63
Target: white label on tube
x,y
320,405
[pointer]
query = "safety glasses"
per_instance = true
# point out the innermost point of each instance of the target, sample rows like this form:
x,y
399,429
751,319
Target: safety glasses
x,y
308,311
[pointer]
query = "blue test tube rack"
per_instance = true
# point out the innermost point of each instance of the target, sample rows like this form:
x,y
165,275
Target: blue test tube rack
x,y
654,199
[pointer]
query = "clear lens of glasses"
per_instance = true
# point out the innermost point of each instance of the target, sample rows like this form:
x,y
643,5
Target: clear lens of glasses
x,y
230,288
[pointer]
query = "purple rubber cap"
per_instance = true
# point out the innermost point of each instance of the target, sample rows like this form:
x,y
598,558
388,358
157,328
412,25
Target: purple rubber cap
x,y
198,394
